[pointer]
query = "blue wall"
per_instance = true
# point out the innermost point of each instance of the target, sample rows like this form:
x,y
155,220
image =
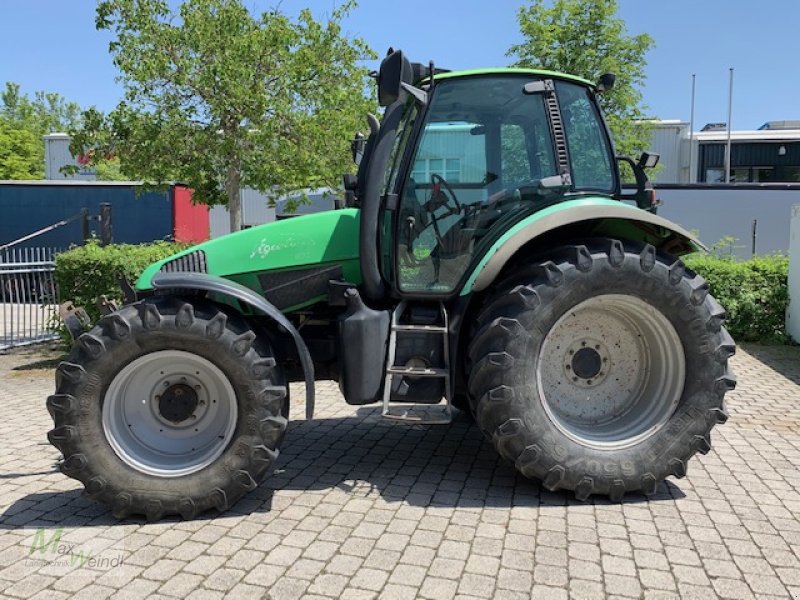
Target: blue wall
x,y
24,208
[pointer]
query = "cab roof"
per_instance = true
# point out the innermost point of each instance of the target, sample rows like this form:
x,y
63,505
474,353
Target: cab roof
x,y
513,71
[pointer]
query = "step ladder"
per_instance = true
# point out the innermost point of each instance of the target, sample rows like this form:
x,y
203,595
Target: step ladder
x,y
406,413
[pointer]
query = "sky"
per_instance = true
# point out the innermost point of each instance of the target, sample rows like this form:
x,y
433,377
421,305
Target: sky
x,y
52,45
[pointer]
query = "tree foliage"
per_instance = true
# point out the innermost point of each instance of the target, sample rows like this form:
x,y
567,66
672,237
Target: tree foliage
x,y
21,154
218,98
585,38
23,123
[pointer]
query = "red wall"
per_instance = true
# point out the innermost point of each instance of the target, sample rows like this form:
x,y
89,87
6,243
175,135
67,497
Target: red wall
x,y
189,221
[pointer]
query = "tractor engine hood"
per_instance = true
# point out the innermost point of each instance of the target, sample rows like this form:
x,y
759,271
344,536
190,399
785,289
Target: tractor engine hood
x,y
284,254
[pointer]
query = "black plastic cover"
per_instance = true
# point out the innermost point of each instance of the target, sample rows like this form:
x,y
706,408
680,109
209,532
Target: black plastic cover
x,y
363,340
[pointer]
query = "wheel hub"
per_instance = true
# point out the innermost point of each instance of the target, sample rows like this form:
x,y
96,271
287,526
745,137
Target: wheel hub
x,y
610,371
178,403
586,362
169,413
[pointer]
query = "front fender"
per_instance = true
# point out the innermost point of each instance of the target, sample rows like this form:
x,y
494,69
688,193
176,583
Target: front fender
x,y
220,285
611,217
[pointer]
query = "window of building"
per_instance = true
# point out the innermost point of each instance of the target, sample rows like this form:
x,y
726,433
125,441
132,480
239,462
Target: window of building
x,y
449,168
791,174
763,174
744,175
740,175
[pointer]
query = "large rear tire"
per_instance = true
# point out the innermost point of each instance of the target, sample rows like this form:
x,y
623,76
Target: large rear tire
x,y
602,369
169,406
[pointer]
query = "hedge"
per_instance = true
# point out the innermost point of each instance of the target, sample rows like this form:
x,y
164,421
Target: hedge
x,y
754,292
86,272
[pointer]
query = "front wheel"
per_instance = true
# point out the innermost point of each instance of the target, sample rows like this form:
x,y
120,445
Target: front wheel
x,y
602,369
168,407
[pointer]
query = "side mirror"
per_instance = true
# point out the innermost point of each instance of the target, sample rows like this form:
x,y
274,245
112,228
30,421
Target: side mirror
x,y
357,147
645,194
394,71
606,82
648,160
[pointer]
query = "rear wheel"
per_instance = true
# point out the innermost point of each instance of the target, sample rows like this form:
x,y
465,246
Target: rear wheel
x,y
168,407
602,369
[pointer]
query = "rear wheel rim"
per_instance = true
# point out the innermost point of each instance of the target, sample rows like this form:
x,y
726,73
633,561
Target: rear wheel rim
x,y
610,372
169,413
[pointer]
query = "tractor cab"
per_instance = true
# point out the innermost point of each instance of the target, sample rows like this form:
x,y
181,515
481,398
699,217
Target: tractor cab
x,y
460,158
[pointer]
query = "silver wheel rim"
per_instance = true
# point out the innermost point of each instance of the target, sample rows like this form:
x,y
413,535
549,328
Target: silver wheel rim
x,y
151,436
611,371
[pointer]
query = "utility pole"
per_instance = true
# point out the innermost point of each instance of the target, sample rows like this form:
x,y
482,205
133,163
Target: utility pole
x,y
728,145
691,135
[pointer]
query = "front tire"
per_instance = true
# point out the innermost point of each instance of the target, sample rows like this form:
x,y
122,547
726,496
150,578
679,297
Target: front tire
x,y
602,369
168,407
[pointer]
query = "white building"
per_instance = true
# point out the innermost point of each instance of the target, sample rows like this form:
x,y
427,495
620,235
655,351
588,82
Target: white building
x,y
770,154
57,155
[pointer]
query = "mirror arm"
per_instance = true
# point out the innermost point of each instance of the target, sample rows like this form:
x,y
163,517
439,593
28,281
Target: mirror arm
x,y
419,95
640,196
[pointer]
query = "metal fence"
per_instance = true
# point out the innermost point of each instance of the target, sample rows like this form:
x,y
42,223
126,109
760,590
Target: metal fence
x,y
28,296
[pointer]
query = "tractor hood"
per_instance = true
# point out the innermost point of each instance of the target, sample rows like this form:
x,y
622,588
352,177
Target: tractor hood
x,y
300,253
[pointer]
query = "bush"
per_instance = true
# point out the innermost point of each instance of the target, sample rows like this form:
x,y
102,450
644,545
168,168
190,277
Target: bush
x,y
87,272
754,292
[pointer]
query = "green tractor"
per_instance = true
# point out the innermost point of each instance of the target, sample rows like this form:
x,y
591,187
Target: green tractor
x,y
485,257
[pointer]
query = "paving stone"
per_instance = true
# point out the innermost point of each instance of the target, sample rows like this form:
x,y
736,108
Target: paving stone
x,y
224,579
408,575
586,589
361,509
289,589
735,589
369,579
180,586
481,586
328,585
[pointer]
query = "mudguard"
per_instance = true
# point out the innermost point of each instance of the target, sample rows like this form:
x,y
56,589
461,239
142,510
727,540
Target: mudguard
x,y
604,215
226,287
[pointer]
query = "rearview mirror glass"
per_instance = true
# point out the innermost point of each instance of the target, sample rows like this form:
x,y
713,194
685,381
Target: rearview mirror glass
x,y
648,160
357,147
395,69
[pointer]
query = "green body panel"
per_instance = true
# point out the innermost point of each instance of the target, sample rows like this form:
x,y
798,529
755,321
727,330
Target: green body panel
x,y
513,71
319,239
583,202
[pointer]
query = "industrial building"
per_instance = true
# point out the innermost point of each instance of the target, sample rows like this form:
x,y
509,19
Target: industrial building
x,y
769,154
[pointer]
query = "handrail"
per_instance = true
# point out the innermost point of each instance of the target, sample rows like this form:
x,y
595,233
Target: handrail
x,y
41,231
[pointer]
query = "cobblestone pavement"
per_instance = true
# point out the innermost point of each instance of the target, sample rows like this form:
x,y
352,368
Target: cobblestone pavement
x,y
360,508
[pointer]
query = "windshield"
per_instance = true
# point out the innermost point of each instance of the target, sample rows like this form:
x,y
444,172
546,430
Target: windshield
x,y
483,153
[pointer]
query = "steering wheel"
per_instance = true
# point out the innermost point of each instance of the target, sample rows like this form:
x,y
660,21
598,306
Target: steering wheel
x,y
442,195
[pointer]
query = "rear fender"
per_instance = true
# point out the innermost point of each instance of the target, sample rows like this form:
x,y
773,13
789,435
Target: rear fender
x,y
220,285
593,217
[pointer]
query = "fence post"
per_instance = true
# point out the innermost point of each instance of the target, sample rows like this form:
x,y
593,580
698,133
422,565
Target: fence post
x,y
85,234
793,312
106,236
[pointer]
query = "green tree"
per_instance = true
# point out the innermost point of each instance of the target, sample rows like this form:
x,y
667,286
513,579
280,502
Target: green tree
x,y
585,38
23,123
21,154
218,98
